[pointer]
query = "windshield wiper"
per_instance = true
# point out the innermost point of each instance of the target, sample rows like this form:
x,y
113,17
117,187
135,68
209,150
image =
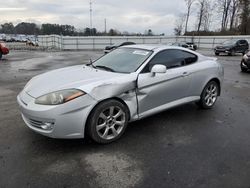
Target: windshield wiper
x,y
104,67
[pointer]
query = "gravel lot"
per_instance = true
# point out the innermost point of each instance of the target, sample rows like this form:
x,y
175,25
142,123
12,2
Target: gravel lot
x,y
181,147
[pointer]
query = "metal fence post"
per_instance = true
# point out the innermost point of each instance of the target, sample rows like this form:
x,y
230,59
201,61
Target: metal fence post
x,y
77,47
213,43
62,41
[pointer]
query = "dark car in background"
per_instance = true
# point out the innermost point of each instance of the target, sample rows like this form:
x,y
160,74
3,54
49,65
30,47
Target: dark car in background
x,y
3,49
245,62
189,45
231,47
110,48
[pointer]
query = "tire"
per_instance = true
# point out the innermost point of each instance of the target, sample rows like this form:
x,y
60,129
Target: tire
x,y
209,95
107,122
0,55
216,53
243,69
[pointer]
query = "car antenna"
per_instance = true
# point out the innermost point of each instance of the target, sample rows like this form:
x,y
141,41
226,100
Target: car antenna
x,y
91,63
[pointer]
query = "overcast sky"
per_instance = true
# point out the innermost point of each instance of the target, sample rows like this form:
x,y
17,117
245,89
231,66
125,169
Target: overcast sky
x,y
124,15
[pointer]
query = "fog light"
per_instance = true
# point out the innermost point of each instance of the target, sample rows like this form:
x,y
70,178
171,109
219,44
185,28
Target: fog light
x,y
47,126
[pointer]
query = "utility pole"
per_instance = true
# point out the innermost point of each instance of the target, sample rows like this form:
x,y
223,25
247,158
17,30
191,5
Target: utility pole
x,y
90,16
105,25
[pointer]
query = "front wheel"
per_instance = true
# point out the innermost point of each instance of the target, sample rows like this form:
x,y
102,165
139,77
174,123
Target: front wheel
x,y
209,95
232,53
216,53
243,69
0,55
108,121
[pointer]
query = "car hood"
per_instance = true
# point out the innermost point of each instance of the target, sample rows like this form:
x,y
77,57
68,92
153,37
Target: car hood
x,y
79,77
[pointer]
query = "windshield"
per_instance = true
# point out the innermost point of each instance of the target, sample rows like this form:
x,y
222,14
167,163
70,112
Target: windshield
x,y
229,42
123,60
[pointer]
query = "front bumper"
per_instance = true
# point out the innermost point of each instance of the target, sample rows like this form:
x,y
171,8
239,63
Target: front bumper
x,y
222,50
59,121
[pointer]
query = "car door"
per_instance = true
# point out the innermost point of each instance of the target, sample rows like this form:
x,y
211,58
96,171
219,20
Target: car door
x,y
243,45
162,88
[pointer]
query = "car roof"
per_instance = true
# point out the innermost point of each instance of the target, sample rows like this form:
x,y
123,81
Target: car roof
x,y
156,47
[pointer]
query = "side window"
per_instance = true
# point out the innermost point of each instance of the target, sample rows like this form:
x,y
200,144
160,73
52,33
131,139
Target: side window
x,y
189,58
243,42
171,59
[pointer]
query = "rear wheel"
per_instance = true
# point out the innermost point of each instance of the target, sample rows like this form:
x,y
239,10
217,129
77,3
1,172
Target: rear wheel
x,y
243,69
108,121
0,55
209,95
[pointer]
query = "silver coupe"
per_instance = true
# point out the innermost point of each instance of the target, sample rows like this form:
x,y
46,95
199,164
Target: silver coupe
x,y
128,84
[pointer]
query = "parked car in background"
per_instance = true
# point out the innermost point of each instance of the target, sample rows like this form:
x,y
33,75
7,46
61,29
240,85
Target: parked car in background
x,y
245,62
127,84
30,42
189,45
231,47
3,49
110,48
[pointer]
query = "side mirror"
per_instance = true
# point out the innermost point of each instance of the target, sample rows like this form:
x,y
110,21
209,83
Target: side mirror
x,y
158,69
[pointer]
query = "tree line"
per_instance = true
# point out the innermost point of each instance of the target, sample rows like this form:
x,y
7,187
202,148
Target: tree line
x,y
66,30
233,17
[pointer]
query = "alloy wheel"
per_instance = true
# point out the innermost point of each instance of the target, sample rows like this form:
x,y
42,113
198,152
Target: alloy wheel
x,y
110,122
211,95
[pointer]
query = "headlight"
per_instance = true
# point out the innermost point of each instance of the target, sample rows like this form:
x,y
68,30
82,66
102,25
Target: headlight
x,y
59,97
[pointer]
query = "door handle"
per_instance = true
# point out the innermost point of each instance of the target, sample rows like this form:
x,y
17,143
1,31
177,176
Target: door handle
x,y
185,74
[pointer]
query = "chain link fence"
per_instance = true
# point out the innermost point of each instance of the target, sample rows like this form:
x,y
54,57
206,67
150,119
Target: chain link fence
x,y
56,42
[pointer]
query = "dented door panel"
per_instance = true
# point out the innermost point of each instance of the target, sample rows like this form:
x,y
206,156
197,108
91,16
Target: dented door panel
x,y
161,89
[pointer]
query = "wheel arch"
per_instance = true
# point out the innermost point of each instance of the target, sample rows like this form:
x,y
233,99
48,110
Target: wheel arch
x,y
99,102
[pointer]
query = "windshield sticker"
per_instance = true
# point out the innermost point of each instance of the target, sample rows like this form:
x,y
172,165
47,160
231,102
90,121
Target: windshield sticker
x,y
140,52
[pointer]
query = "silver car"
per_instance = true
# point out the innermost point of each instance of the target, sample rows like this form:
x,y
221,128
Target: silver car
x,y
128,84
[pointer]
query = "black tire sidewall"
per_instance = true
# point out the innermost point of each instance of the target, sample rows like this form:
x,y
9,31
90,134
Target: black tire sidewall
x,y
243,69
93,117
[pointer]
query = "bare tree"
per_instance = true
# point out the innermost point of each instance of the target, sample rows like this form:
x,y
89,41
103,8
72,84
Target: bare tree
x,y
207,18
224,7
245,16
234,8
201,11
179,25
189,4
